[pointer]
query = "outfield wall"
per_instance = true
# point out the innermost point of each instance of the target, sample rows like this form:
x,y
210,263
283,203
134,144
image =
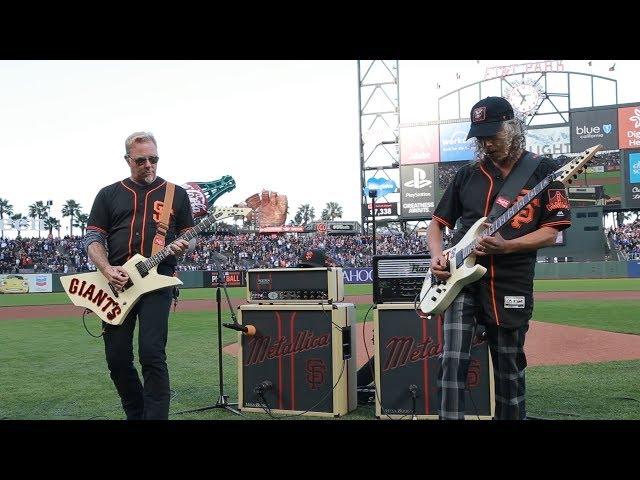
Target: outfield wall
x,y
544,271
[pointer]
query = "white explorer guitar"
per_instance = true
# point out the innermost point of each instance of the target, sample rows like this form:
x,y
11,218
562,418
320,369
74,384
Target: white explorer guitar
x,y
436,295
92,291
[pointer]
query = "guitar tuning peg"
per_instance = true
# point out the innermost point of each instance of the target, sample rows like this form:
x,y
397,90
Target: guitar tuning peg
x,y
570,180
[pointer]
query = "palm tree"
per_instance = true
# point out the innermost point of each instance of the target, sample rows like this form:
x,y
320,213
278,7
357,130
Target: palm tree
x,y
5,207
332,211
17,216
306,213
81,222
52,223
38,210
70,209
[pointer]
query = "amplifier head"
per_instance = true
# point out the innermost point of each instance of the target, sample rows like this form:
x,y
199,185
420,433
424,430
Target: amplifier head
x,y
295,285
399,278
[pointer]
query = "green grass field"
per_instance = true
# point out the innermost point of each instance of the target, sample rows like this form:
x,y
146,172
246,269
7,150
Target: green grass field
x,y
52,369
611,189
577,285
185,294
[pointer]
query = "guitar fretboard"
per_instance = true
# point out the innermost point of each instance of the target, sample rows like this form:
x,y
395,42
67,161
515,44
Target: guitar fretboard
x,y
154,260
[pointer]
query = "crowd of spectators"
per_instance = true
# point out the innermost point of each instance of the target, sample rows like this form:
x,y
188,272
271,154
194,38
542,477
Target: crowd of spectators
x,y
626,239
244,251
43,255
281,251
54,255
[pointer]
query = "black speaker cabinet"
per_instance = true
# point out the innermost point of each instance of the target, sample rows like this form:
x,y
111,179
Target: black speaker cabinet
x,y
302,359
408,350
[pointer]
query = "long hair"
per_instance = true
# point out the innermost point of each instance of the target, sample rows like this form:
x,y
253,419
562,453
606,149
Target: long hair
x,y
515,131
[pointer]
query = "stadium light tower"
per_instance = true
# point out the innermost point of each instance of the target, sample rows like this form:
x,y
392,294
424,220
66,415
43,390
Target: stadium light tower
x,y
379,116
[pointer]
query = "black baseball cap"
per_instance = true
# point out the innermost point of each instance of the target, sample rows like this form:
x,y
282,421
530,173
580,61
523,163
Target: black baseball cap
x,y
313,258
487,116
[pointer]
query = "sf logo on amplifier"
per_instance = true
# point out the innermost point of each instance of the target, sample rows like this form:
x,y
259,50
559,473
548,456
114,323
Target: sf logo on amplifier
x,y
315,370
473,377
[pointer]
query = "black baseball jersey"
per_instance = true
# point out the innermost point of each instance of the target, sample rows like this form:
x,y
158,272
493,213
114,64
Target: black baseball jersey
x,y
507,287
128,213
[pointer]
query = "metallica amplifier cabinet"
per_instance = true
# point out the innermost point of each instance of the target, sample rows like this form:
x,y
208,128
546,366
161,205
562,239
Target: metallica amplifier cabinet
x,y
295,285
409,347
399,278
301,360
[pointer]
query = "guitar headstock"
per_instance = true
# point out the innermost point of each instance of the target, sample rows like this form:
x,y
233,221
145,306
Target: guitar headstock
x,y
572,169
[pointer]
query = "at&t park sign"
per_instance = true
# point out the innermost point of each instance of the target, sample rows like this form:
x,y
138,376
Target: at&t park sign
x,y
535,67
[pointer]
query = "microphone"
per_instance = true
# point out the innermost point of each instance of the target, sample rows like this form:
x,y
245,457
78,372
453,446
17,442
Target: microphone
x,y
413,389
263,387
247,330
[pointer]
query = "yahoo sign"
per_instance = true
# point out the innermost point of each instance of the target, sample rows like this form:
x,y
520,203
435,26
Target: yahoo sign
x,y
358,275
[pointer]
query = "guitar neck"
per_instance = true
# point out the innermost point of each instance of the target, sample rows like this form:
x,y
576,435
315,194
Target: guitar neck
x,y
510,213
191,233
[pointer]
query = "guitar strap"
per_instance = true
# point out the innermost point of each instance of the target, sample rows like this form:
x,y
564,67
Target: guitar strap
x,y
163,224
514,184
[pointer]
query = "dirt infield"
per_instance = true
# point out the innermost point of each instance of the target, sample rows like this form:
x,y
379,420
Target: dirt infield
x,y
547,344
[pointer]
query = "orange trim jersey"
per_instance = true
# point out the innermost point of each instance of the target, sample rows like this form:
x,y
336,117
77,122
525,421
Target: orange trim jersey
x,y
128,214
506,290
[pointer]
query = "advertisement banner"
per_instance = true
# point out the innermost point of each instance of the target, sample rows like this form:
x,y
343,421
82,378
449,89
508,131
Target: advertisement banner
x,y
283,229
383,186
26,283
554,140
233,278
419,144
629,126
594,127
341,228
453,146
632,184
383,209
358,275
417,191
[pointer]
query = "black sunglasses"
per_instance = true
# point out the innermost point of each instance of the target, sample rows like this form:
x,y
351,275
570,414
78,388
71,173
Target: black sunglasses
x,y
141,160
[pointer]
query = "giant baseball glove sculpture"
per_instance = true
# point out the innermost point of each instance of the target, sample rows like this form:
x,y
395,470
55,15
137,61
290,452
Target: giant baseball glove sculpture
x,y
269,208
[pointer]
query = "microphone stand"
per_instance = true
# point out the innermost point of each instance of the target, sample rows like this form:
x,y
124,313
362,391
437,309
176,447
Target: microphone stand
x,y
223,400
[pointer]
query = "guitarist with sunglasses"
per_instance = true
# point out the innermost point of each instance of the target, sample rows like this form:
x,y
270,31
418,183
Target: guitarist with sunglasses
x,y
129,217
502,299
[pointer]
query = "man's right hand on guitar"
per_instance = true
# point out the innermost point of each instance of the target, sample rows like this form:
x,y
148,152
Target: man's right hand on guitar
x,y
117,276
440,267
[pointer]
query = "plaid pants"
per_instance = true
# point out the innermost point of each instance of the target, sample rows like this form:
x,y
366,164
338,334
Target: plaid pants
x,y
507,353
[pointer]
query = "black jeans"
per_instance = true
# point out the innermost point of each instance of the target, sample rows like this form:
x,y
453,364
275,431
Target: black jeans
x,y
150,401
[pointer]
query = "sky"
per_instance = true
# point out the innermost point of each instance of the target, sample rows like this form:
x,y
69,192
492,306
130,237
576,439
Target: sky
x,y
286,126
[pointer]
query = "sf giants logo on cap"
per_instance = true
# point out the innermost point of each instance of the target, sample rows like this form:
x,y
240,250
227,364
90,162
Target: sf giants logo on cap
x,y
479,114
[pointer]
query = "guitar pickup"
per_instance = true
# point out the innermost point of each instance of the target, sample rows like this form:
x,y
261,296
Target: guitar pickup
x,y
115,292
126,285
